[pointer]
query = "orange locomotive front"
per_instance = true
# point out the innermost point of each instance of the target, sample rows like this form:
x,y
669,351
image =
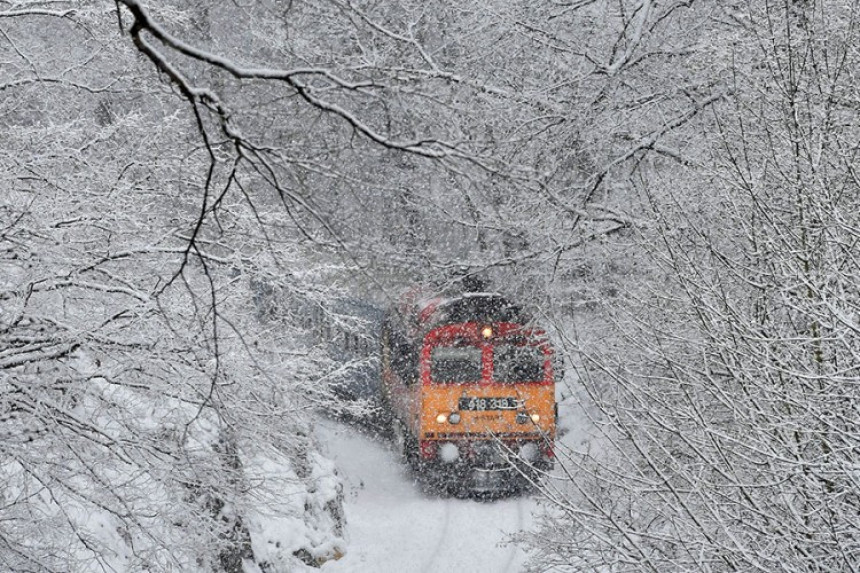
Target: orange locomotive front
x,y
470,390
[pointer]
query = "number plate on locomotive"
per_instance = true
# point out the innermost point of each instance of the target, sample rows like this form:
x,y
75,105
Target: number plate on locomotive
x,y
484,404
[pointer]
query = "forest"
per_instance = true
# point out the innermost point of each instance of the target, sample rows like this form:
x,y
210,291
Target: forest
x,y
189,187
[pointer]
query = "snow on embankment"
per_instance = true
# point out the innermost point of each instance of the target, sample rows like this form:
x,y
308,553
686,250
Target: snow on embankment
x,y
109,476
298,516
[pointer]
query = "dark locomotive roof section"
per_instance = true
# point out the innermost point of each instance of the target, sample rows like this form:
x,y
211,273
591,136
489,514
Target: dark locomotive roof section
x,y
483,307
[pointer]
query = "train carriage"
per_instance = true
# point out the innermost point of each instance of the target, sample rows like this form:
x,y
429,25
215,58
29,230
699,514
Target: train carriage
x,y
470,388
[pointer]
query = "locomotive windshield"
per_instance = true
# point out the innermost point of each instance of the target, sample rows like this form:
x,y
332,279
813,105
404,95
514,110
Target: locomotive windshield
x,y
455,364
513,363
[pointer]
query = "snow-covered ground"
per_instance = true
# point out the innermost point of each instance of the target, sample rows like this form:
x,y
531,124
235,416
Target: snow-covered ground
x,y
394,526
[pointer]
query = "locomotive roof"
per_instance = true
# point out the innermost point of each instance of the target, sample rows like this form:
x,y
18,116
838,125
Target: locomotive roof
x,y
474,307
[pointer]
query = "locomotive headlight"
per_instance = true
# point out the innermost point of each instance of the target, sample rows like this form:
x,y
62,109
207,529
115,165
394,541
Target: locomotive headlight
x,y
487,332
529,452
449,453
454,418
442,418
535,418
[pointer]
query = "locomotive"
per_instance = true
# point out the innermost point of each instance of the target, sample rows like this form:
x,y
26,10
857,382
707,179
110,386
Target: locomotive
x,y
469,387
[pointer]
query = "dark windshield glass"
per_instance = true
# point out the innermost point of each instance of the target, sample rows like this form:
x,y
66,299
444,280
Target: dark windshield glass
x,y
455,364
518,363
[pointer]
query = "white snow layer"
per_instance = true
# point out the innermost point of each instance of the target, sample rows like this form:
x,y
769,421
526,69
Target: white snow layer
x,y
393,526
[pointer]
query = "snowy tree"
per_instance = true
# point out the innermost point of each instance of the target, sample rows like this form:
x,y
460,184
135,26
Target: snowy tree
x,y
141,429
724,400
